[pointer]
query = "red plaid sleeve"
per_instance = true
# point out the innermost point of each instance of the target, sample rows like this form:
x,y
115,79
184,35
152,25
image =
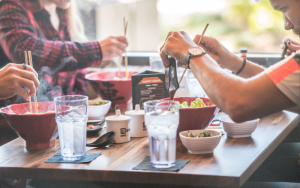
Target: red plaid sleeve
x,y
18,33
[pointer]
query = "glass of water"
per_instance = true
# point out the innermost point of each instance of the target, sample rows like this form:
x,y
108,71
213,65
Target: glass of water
x,y
162,120
156,64
71,119
195,89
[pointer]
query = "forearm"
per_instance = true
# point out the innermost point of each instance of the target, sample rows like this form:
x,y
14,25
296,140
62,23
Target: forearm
x,y
242,99
218,84
64,55
251,69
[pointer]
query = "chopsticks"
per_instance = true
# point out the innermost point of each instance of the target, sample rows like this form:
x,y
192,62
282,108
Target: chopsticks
x,y
30,61
199,41
26,61
284,50
125,58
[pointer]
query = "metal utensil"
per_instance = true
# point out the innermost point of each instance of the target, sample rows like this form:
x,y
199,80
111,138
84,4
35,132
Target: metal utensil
x,y
173,79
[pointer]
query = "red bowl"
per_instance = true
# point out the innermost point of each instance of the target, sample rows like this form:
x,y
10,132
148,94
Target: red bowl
x,y
38,130
195,118
117,91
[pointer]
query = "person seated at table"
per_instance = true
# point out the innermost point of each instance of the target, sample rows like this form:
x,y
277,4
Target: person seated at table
x,y
13,79
52,31
256,92
49,29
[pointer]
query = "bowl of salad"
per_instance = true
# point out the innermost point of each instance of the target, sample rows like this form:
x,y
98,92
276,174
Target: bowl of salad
x,y
200,141
98,109
195,113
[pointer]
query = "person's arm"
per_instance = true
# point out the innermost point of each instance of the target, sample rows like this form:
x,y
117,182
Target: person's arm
x,y
226,59
18,34
242,99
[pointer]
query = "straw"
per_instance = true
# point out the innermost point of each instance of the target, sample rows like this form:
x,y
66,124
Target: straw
x,y
185,67
27,63
36,104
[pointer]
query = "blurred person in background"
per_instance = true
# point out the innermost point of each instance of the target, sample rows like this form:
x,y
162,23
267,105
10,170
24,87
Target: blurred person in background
x,y
53,32
256,92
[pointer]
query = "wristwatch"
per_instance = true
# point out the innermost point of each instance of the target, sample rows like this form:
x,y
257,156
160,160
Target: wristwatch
x,y
193,52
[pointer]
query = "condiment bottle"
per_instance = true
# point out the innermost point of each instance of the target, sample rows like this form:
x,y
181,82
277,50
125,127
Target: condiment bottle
x,y
119,124
244,53
137,122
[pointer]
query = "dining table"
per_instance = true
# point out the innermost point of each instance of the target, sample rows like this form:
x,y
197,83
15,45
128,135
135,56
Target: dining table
x,y
232,162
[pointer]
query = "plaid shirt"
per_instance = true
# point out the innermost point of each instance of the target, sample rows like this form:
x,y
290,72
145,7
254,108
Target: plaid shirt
x,y
25,25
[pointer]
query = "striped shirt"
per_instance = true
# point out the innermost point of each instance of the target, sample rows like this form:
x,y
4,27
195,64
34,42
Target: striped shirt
x,y
286,76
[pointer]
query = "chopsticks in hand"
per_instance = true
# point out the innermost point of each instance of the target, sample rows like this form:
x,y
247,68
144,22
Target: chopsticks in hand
x,y
30,61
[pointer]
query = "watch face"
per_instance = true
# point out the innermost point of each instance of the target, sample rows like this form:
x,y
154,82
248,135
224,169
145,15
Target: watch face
x,y
196,51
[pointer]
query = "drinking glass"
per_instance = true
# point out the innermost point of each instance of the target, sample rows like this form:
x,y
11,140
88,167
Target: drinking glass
x,y
195,89
162,120
156,64
71,119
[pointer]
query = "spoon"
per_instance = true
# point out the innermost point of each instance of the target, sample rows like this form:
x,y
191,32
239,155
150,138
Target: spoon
x,y
103,140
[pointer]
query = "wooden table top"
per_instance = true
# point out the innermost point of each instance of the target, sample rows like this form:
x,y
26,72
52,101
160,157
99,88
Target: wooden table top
x,y
231,164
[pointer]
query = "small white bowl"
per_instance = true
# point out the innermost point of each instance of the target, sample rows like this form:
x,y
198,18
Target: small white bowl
x,y
98,112
202,145
238,130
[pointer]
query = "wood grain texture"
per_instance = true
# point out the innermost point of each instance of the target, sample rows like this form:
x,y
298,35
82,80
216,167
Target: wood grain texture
x,y
231,164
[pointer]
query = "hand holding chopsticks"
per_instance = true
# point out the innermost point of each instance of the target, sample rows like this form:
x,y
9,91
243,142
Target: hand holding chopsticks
x,y
14,77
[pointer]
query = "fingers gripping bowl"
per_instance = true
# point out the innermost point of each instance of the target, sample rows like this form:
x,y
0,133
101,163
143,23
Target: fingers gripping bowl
x,y
38,130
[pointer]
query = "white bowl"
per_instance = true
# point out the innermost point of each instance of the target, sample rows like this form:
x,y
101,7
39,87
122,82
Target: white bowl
x,y
238,130
200,145
98,112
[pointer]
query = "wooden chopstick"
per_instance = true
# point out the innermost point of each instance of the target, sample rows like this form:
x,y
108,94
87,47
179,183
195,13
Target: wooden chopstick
x,y
126,58
27,63
186,66
35,101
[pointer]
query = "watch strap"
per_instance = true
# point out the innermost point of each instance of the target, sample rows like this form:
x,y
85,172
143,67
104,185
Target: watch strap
x,y
187,59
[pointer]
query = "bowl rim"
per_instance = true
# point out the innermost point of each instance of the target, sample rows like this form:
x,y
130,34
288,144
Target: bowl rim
x,y
27,115
234,123
190,138
94,73
109,103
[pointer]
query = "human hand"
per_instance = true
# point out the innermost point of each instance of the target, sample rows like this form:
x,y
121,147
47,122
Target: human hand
x,y
176,46
113,47
13,78
218,52
292,46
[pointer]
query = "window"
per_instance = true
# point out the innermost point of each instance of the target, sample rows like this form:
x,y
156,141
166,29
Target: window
x,y
235,23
